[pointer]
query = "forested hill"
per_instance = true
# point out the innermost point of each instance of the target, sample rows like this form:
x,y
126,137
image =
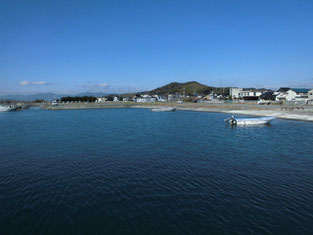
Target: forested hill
x,y
188,88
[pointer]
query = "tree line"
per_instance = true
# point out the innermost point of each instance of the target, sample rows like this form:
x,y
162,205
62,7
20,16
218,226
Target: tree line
x,y
90,99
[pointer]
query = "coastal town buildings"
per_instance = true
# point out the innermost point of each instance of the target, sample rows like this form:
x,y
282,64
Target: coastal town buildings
x,y
297,94
101,100
268,95
55,103
213,96
263,96
281,94
252,94
174,97
246,93
146,99
161,99
234,92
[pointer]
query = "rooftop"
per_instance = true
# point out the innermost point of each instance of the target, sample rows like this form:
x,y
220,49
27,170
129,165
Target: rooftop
x,y
300,90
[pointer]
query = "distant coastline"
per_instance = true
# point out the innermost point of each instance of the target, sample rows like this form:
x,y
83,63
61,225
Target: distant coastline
x,y
278,111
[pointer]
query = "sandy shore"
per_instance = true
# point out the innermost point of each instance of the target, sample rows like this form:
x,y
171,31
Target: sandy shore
x,y
302,113
269,113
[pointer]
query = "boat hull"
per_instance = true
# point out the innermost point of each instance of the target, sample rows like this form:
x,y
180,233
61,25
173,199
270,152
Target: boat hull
x,y
7,109
250,121
163,109
254,121
4,109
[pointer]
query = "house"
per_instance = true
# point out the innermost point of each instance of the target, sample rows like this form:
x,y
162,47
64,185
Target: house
x,y
211,96
101,100
146,99
297,94
246,93
251,93
115,99
173,97
55,103
161,99
281,94
268,95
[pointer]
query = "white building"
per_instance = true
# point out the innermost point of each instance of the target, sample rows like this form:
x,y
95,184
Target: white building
x,y
173,97
55,103
234,92
101,100
297,94
251,93
213,96
146,99
160,99
246,94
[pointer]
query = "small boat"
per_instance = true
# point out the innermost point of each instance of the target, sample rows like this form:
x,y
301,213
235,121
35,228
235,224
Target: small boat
x,y
7,108
249,121
163,109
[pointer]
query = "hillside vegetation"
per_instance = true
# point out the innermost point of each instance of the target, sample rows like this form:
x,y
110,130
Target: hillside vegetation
x,y
188,88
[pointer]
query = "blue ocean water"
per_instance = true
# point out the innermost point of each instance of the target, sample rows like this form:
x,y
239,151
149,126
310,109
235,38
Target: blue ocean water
x,y
132,171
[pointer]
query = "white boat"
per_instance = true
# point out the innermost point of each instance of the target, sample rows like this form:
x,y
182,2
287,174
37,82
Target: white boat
x,y
249,121
163,109
7,108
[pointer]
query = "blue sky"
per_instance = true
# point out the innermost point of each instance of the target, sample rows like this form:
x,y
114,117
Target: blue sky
x,y
119,46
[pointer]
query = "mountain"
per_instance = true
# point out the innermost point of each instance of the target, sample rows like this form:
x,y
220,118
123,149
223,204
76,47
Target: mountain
x,y
95,94
39,96
47,96
188,88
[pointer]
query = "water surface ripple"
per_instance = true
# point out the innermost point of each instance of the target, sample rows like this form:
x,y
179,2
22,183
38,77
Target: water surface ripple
x,y
132,171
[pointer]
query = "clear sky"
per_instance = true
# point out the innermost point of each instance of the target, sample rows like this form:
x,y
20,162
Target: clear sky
x,y
117,46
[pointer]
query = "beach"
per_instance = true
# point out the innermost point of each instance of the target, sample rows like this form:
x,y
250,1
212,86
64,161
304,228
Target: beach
x,y
301,113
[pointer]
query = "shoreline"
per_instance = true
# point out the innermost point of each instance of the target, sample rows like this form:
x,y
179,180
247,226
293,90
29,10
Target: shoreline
x,y
265,113
298,113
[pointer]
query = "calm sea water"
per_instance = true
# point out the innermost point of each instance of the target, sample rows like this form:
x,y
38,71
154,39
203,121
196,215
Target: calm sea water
x,y
132,171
